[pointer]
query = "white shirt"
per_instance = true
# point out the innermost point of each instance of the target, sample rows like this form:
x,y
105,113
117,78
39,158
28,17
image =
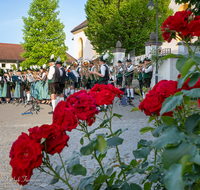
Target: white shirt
x,y
43,74
149,69
130,67
103,69
61,72
51,72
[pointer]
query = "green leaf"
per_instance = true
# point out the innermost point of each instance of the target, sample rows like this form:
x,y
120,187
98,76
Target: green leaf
x,y
167,120
193,80
170,135
171,102
78,170
147,186
134,186
143,143
57,169
73,162
151,119
117,115
180,63
133,163
143,153
156,132
54,180
196,158
125,186
184,161
146,129
89,187
104,123
101,144
181,81
135,109
186,67
88,149
112,177
171,55
154,177
81,141
172,155
194,93
101,179
192,122
114,141
109,171
197,59
173,179
85,181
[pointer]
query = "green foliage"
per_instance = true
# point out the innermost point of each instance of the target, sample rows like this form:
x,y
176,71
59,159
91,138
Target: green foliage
x,y
130,22
194,5
42,33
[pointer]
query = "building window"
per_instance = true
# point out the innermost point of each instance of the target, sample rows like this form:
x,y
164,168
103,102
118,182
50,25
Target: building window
x,y
80,47
3,65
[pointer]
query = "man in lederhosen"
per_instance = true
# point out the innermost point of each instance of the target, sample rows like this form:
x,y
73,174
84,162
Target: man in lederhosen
x,y
128,79
54,81
119,74
62,79
147,74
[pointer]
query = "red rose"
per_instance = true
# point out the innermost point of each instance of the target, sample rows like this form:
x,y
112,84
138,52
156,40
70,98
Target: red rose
x,y
90,121
64,117
83,105
47,131
104,97
25,156
170,114
56,143
151,104
95,88
22,177
194,27
116,91
35,134
199,102
165,88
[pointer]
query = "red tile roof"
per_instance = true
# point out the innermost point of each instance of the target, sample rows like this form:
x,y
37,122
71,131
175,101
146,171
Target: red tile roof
x,y
11,52
71,59
80,26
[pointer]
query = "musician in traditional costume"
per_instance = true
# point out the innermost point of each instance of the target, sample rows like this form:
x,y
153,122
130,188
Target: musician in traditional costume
x,y
111,78
25,81
139,71
129,78
45,94
19,88
119,74
78,77
92,68
62,79
1,84
6,87
54,81
29,84
12,84
148,71
104,70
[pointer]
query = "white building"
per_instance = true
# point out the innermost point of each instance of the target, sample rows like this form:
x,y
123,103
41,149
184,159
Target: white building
x,y
84,50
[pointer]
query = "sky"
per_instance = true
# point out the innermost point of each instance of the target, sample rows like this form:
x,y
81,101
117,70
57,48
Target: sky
x,y
72,13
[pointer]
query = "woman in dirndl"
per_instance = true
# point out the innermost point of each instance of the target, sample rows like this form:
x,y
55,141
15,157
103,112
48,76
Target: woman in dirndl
x,y
19,88
6,88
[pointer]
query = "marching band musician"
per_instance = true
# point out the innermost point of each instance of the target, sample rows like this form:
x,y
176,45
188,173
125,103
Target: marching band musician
x,y
54,80
78,78
140,78
25,81
128,79
62,79
12,84
147,74
111,78
1,84
6,88
104,71
119,75
92,68
29,84
19,88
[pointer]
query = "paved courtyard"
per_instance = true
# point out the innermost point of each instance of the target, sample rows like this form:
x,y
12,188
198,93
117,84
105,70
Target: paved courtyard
x,y
12,123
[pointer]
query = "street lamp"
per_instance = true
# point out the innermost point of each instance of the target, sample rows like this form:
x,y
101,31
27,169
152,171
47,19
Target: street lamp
x,y
151,5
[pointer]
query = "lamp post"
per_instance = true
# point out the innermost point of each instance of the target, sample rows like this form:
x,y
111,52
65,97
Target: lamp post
x,y
151,5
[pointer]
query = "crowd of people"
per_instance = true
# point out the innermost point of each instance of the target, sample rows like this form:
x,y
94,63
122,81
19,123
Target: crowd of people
x,y
50,85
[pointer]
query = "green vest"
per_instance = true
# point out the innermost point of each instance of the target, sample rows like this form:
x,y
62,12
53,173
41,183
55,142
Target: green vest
x,y
146,75
119,74
92,69
139,76
100,78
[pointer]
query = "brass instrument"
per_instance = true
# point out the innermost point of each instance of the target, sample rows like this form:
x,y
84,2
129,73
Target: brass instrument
x,y
96,69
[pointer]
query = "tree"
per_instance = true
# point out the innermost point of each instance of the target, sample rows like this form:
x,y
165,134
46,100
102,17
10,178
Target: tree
x,y
194,5
127,21
43,33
